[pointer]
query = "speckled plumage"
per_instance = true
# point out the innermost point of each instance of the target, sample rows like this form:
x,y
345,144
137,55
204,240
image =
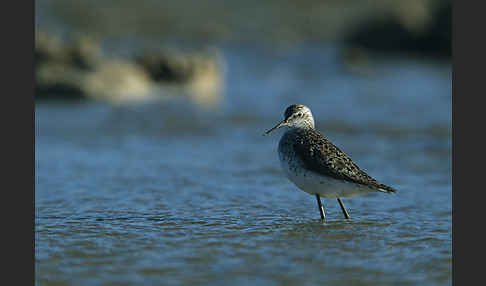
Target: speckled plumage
x,y
312,152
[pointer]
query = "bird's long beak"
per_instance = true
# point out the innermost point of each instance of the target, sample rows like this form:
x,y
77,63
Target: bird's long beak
x,y
282,123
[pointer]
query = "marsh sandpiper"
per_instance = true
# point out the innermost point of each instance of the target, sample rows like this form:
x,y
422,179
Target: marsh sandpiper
x,y
318,167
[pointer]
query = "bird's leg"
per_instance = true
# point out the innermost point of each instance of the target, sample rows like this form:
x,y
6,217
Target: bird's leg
x,y
321,208
345,212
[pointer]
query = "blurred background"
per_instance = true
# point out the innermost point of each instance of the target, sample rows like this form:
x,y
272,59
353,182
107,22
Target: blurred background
x,y
151,167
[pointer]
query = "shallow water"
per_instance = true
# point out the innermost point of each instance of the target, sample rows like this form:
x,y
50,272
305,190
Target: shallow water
x,y
169,193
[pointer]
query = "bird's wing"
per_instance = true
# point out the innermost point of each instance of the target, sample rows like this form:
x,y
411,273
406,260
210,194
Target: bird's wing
x,y
321,156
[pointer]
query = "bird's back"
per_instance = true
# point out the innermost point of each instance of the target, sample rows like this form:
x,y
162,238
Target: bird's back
x,y
319,155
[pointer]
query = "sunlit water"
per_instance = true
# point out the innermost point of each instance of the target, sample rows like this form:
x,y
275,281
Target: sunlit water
x,y
170,194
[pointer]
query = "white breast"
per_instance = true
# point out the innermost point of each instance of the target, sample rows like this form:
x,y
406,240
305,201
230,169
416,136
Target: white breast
x,y
314,183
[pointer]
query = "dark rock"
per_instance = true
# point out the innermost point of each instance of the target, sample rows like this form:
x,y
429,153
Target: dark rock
x,y
390,35
57,80
164,66
56,91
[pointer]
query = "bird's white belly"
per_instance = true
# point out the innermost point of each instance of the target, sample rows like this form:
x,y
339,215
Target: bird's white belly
x,y
314,183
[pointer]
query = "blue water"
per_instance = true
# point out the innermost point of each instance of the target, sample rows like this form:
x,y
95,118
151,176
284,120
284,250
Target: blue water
x,y
168,193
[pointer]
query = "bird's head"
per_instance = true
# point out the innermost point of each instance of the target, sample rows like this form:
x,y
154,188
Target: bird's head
x,y
295,116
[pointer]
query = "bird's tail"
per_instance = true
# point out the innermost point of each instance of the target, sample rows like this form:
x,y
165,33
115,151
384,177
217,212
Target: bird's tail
x,y
386,189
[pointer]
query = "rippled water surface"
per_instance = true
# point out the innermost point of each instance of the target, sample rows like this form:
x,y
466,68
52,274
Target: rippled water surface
x,y
167,193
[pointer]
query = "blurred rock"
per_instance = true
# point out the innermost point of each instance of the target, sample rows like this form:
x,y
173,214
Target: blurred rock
x,y
410,30
199,74
85,53
117,80
164,66
60,66
56,80
48,48
78,70
207,80
82,53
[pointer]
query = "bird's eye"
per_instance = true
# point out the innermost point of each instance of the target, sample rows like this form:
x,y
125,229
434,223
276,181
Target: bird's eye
x,y
299,114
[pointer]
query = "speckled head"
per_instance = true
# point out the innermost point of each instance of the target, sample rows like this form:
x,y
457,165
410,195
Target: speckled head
x,y
296,116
